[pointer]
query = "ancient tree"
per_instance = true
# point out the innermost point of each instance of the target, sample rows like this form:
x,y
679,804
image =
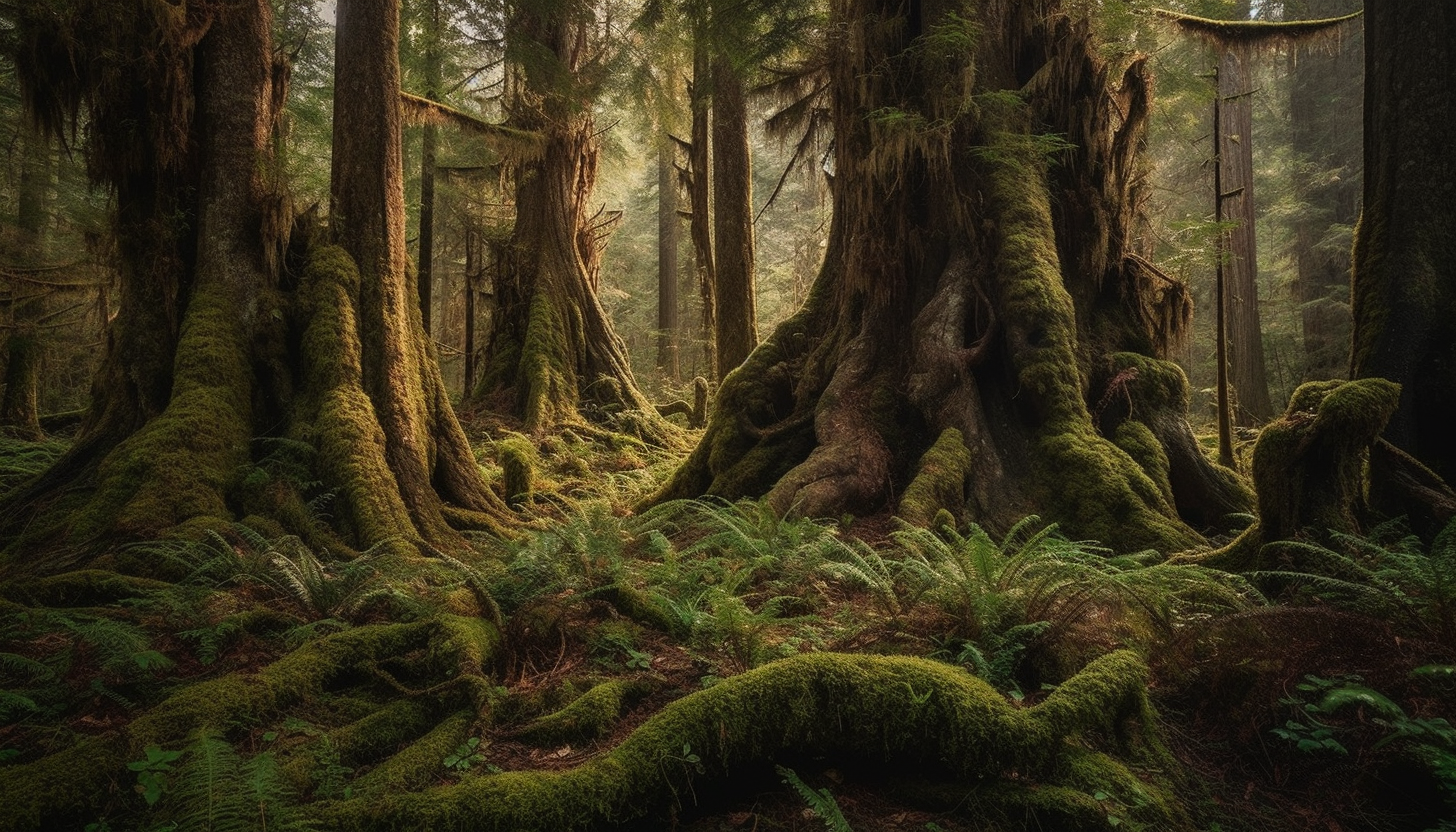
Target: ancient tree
x,y
233,348
982,319
553,356
735,316
1405,253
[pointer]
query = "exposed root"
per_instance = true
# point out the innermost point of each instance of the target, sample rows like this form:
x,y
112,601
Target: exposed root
x,y
875,709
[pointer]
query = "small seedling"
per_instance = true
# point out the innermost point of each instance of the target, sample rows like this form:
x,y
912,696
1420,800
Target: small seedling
x,y
467,755
152,772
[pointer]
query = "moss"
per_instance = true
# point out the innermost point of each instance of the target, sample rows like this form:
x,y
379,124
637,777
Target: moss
x,y
874,708
940,481
181,465
519,462
548,385
66,786
373,737
643,608
418,764
590,716
1090,486
1309,466
1138,441
82,588
340,418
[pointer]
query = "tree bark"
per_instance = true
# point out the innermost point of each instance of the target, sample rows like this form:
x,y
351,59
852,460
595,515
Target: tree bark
x,y
554,357
429,142
667,236
1236,162
700,199
737,322
958,293
325,360
1404,300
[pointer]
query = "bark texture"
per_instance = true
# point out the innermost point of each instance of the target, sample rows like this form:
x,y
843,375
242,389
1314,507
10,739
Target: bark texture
x,y
1404,301
667,237
323,360
736,318
553,356
979,276
1236,162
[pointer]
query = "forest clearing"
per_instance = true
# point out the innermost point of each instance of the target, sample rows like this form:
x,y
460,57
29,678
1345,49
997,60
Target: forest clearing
x,y
773,415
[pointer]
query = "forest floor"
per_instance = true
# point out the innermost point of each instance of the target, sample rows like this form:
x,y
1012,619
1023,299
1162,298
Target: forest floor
x,y
1313,698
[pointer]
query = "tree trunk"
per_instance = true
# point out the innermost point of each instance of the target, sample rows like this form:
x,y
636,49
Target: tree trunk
x,y
1236,163
737,322
21,355
554,358
1404,299
425,449
472,269
1325,115
700,198
957,293
335,363
667,223
428,151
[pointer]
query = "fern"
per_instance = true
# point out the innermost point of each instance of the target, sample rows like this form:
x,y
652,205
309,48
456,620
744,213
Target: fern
x,y
215,790
820,801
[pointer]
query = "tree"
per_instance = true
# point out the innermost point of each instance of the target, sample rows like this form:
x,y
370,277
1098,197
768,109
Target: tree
x,y
553,353
734,294
1325,115
982,315
1404,298
233,358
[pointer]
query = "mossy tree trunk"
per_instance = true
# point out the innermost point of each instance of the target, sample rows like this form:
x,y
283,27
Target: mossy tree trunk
x,y
979,275
336,364
429,461
21,351
736,318
1404,300
553,356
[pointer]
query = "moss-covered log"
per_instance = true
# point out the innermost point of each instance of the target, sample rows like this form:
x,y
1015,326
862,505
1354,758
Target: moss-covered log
x,y
872,709
979,272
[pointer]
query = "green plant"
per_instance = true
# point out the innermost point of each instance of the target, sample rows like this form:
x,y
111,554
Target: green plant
x,y
152,771
466,756
820,801
1384,574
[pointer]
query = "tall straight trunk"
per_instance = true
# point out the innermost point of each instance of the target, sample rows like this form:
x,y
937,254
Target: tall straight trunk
x,y
1236,163
424,447
700,198
472,266
1404,298
667,234
428,151
21,352
1325,125
737,325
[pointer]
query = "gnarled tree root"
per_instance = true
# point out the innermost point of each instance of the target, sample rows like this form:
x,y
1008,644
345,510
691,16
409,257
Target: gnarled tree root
x,y
882,709
47,793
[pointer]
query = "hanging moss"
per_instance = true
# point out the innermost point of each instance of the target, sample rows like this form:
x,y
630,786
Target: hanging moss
x,y
872,708
940,481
